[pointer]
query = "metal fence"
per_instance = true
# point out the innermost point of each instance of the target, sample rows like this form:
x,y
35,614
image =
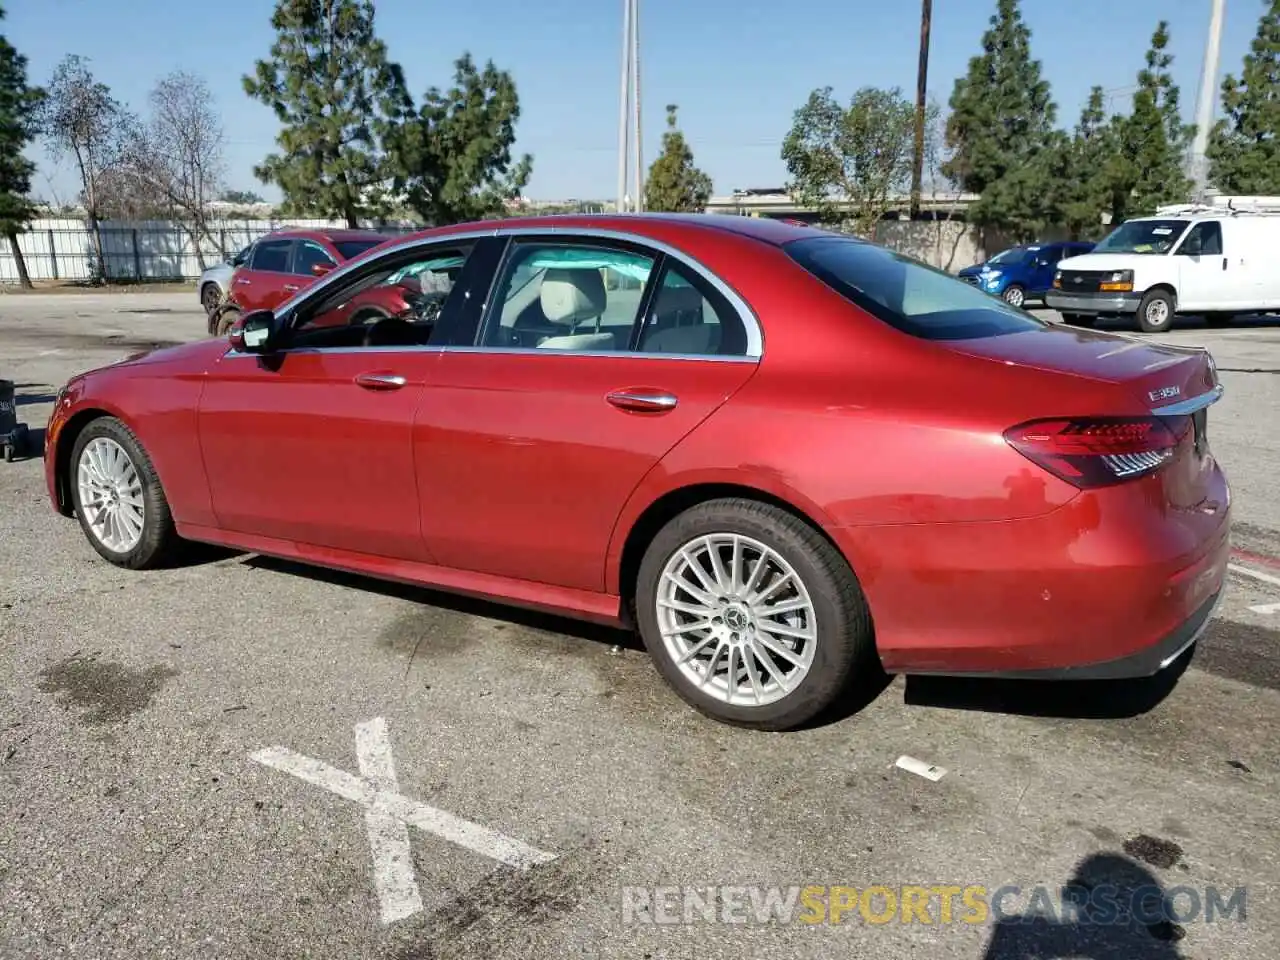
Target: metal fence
x,y
141,251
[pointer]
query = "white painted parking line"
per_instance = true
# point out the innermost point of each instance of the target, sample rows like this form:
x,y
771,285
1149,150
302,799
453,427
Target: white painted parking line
x,y
388,813
1255,574
1266,608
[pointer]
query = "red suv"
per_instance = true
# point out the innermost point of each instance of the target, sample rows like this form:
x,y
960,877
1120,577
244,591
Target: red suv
x,y
279,264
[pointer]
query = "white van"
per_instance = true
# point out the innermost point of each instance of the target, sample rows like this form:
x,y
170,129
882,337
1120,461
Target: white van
x,y
1215,260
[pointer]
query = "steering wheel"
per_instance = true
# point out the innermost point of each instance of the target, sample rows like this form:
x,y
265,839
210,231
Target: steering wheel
x,y
391,332
427,307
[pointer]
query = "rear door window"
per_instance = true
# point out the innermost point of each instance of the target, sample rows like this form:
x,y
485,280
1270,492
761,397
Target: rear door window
x,y
272,256
309,255
905,293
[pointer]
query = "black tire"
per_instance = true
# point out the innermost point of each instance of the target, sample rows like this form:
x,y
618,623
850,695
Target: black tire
x,y
210,297
1151,304
159,541
1079,319
844,637
227,317
1015,296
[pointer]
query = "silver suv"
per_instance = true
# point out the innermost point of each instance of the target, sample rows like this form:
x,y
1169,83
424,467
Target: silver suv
x,y
215,282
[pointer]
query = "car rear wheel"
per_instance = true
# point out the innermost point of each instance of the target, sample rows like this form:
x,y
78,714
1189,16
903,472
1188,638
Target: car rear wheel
x,y
1014,295
118,498
751,615
1155,312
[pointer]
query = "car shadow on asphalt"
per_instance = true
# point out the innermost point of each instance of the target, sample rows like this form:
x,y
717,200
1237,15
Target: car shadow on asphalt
x,y
458,603
1062,699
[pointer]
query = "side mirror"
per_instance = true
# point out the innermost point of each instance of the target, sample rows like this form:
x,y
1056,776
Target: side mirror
x,y
320,269
256,332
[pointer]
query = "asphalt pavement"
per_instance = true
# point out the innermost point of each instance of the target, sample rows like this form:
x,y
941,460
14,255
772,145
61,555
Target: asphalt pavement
x,y
220,760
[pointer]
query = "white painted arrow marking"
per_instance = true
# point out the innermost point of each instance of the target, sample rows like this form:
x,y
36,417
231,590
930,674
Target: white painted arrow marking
x,y
388,814
1266,608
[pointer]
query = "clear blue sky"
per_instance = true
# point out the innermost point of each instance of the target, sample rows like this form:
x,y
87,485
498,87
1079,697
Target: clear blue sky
x,y
737,68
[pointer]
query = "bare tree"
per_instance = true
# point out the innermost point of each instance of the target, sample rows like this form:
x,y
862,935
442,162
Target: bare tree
x,y
82,119
178,154
944,187
124,196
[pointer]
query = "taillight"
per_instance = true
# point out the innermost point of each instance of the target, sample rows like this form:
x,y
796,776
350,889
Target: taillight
x,y
1099,451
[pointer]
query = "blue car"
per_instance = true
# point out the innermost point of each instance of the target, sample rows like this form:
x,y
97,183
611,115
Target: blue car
x,y
1022,273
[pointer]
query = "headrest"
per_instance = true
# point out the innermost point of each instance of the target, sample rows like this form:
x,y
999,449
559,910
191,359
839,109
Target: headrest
x,y
572,295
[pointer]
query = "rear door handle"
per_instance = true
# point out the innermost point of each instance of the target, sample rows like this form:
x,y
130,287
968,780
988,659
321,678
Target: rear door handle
x,y
642,401
290,287
242,279
380,381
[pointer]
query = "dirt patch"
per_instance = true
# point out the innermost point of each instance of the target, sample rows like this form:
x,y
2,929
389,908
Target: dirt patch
x,y
109,692
490,914
1153,850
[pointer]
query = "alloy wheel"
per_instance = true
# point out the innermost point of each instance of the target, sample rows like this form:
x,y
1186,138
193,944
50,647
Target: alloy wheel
x,y
736,619
110,491
1014,297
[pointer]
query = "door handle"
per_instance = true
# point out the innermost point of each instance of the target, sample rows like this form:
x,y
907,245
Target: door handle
x,y
380,381
642,401
1224,263
242,279
290,287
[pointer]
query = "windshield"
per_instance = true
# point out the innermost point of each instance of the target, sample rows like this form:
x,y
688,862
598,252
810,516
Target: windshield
x,y
907,294
1014,255
353,248
1142,236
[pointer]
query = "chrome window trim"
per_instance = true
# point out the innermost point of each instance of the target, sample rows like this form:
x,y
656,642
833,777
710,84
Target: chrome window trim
x,y
233,354
750,322
1193,405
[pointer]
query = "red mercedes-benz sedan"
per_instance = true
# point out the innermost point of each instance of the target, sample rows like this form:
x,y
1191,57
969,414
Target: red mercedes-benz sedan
x,y
782,454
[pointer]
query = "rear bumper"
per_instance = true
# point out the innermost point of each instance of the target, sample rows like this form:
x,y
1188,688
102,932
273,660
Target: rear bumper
x,y
1092,303
1145,662
1112,584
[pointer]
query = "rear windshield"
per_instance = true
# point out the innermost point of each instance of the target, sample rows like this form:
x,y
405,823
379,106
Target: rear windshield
x,y
1142,236
907,294
353,248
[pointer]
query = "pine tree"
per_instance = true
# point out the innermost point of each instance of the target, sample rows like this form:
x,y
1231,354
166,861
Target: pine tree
x,y
1153,140
1084,171
675,184
19,115
1244,150
1002,119
452,156
337,96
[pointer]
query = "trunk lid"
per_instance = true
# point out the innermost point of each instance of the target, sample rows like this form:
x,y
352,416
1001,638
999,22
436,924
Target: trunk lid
x,y
1155,374
1176,384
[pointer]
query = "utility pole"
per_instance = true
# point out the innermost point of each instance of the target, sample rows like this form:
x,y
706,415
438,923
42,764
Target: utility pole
x,y
922,86
637,152
1198,165
623,123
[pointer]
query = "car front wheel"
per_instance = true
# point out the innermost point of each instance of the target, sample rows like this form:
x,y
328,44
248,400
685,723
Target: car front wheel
x,y
1156,312
1014,296
752,615
118,498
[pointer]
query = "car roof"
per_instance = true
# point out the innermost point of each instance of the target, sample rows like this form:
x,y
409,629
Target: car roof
x,y
764,229
333,236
